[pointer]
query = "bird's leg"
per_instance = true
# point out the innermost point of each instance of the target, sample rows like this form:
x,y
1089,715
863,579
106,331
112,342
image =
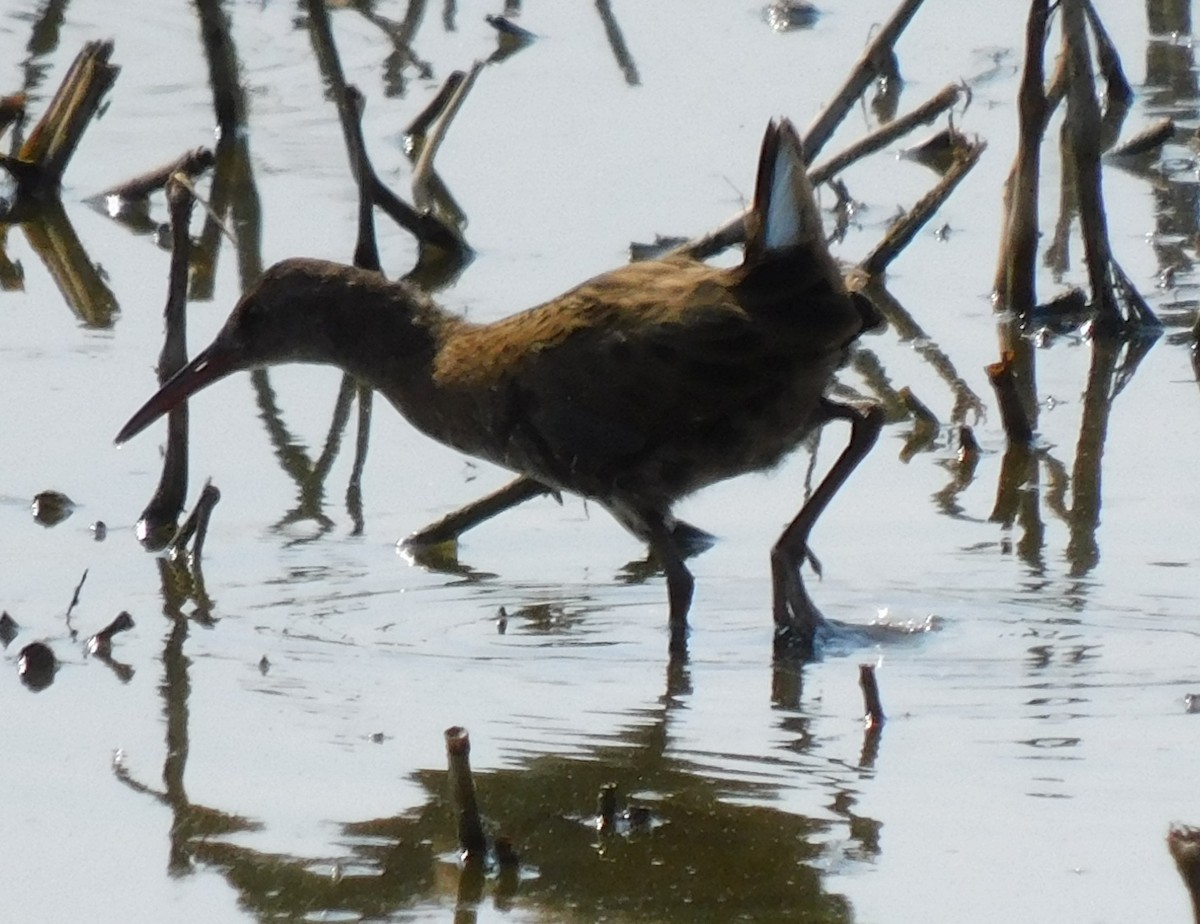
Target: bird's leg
x,y
796,616
453,525
679,580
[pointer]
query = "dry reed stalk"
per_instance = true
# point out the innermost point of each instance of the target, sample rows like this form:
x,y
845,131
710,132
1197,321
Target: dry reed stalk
x,y
157,523
1015,285
870,691
860,77
901,233
49,147
1183,842
191,164
196,525
471,838
1017,425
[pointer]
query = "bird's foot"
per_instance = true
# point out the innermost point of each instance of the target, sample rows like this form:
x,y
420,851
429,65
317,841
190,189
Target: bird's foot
x,y
797,619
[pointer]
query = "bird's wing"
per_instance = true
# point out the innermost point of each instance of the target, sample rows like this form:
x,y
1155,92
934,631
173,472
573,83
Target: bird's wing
x,y
605,373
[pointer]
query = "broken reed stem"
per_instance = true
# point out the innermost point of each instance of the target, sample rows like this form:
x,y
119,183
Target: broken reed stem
x,y
197,523
174,352
1118,94
424,226
1183,842
471,839
223,227
204,508
12,109
191,164
427,228
1017,426
1015,285
870,691
616,41
160,514
882,137
53,140
731,233
903,231
1147,141
100,644
415,133
1083,132
861,75
422,181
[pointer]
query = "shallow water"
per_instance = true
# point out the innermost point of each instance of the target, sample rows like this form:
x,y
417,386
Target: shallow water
x,y
1036,747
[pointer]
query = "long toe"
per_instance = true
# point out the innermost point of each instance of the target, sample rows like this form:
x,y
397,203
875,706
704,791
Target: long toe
x,y
797,619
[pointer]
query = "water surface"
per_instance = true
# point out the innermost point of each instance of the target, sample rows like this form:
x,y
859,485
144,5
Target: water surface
x,y
1038,744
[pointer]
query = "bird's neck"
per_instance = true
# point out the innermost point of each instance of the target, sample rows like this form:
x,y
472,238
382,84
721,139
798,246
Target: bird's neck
x,y
389,335
386,334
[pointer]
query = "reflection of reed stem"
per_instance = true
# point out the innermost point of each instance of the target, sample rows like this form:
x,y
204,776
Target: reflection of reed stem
x,y
427,189
420,125
53,239
606,808
366,248
1082,549
229,102
1016,471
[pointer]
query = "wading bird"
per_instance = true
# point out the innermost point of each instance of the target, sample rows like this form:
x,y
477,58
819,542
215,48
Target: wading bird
x,y
633,389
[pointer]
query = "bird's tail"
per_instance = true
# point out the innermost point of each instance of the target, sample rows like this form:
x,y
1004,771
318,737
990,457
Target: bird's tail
x,y
786,247
785,213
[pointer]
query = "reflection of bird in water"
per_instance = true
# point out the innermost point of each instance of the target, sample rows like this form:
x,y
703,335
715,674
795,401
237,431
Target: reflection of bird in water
x,y
634,389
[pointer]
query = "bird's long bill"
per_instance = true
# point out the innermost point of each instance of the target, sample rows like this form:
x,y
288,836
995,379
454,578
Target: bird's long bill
x,y
209,365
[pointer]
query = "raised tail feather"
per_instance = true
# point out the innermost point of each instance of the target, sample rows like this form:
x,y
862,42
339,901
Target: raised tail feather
x,y
786,223
785,208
